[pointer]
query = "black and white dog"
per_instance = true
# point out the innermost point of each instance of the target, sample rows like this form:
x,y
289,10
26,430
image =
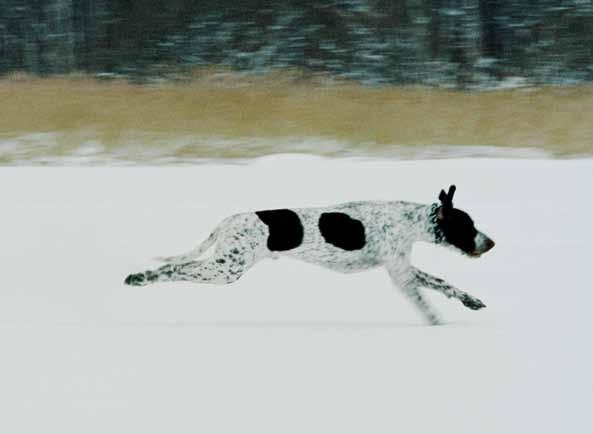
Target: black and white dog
x,y
350,237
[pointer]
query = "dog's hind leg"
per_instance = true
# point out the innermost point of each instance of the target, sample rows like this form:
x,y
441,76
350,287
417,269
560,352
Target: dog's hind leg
x,y
428,281
240,243
219,271
169,272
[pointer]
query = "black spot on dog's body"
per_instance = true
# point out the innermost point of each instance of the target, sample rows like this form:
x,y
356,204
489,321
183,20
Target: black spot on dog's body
x,y
286,229
342,231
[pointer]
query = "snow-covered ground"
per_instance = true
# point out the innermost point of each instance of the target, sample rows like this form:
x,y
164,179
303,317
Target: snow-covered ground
x,y
292,348
49,149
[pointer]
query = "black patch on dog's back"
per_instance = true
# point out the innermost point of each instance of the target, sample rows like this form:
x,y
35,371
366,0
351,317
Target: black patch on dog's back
x,y
342,231
286,229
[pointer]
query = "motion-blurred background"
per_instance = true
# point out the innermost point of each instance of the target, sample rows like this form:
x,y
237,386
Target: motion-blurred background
x,y
152,81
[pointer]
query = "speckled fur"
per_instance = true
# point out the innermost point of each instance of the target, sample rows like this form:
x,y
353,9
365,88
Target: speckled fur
x,y
391,229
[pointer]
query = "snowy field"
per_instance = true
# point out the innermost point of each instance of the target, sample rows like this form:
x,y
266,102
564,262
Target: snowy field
x,y
291,347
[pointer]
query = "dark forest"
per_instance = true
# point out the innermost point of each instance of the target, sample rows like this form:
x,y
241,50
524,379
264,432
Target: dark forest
x,y
431,42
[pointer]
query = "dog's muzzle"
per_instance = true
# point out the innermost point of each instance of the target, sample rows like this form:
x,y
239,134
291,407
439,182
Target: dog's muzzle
x,y
483,244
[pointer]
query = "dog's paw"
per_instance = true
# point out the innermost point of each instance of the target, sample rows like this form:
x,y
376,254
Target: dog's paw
x,y
472,302
434,320
137,279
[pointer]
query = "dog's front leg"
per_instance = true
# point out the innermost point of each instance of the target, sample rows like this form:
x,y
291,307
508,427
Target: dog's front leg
x,y
428,281
404,278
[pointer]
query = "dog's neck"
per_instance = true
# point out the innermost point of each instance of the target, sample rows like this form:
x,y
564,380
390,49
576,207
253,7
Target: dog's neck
x,y
413,222
431,229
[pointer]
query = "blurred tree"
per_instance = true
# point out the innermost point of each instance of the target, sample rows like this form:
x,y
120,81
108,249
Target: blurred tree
x,y
462,42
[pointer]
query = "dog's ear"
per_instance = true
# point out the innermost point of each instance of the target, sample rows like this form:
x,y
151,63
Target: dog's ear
x,y
452,189
447,198
443,197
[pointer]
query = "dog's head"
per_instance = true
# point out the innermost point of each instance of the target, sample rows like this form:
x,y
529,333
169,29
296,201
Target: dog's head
x,y
457,228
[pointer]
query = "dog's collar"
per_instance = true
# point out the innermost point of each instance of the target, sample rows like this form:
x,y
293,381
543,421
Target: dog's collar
x,y
434,227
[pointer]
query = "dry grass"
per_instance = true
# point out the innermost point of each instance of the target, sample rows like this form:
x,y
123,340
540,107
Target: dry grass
x,y
557,120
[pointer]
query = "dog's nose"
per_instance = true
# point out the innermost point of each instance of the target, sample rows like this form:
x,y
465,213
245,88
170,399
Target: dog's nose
x,y
489,244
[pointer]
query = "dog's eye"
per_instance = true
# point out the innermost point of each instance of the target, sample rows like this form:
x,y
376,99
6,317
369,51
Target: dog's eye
x,y
471,232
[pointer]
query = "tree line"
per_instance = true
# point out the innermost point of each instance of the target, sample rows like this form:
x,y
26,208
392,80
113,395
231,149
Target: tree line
x,y
457,42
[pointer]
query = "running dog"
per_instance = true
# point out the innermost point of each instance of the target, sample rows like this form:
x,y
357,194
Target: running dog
x,y
350,237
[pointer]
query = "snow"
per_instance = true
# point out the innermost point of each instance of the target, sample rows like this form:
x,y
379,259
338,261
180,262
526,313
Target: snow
x,y
50,149
291,347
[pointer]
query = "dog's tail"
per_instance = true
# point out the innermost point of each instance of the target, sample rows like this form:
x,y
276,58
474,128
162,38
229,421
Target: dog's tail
x,y
195,253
